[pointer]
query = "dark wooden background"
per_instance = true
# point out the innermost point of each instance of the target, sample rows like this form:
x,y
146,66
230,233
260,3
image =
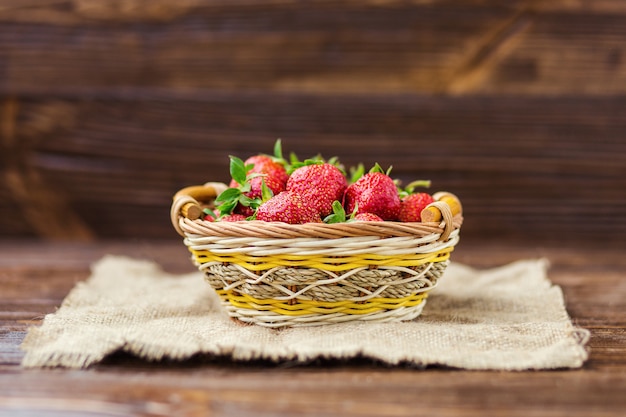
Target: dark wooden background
x,y
109,107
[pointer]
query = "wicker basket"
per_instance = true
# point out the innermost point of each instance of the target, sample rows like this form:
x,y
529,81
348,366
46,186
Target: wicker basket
x,y
279,275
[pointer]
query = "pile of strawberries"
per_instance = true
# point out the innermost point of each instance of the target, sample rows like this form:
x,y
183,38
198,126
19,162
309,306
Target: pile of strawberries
x,y
272,189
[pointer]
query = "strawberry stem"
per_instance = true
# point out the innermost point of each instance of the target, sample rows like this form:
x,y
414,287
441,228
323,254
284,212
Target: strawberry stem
x,y
418,183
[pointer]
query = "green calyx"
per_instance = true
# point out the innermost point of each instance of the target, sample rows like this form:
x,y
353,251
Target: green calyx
x,y
378,168
278,155
339,214
316,160
228,200
278,151
359,171
231,197
295,163
239,170
356,173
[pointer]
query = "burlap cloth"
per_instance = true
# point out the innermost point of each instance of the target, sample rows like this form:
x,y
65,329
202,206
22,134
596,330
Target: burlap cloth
x,y
507,318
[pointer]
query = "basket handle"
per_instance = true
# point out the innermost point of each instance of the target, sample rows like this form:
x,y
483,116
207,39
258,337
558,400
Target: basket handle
x,y
186,202
445,207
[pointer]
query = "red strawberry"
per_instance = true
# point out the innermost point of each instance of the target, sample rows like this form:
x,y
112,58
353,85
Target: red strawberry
x,y
368,217
256,185
264,164
374,192
272,183
274,176
319,185
243,210
412,206
253,181
233,218
288,207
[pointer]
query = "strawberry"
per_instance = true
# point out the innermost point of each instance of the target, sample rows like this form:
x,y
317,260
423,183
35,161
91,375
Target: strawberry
x,y
246,211
232,218
375,192
411,207
214,216
319,184
247,189
367,217
256,192
288,207
256,185
249,178
272,166
274,173
210,214
264,164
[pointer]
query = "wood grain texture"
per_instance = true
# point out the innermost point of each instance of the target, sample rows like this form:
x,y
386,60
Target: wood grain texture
x,y
318,47
586,56
108,108
523,168
33,286
519,47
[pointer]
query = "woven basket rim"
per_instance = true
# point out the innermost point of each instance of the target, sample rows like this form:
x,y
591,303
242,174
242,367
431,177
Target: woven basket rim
x,y
277,230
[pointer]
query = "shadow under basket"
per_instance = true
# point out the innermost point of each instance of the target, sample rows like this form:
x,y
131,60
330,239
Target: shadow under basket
x,y
275,274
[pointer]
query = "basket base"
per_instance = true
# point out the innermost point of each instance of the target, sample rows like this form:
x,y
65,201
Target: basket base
x,y
297,297
277,320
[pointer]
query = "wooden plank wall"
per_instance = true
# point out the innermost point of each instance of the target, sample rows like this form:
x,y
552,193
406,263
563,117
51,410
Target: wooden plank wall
x,y
108,107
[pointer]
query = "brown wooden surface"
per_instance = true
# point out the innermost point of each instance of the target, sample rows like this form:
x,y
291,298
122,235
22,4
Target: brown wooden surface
x,y
35,277
107,108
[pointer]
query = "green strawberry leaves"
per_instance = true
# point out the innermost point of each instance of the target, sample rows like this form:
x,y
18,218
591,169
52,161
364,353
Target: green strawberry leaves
x,y
338,215
359,171
231,197
356,173
210,213
295,163
228,200
378,168
266,193
278,151
278,155
238,170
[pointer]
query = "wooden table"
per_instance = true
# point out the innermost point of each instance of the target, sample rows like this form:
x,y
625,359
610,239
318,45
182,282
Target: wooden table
x,y
35,277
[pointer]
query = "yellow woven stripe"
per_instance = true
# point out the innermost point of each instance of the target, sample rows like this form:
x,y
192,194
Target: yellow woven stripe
x,y
304,307
338,263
